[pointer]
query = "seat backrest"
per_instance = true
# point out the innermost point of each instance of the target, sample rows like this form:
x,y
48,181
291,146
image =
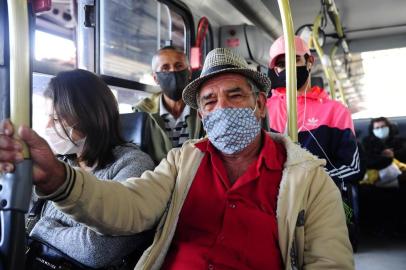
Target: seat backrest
x,y
133,128
361,128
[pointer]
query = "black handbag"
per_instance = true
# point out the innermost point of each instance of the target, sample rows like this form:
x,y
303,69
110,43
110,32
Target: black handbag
x,y
43,256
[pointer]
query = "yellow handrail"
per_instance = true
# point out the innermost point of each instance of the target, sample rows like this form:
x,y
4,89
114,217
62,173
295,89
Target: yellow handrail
x,y
335,17
320,53
290,60
336,78
19,64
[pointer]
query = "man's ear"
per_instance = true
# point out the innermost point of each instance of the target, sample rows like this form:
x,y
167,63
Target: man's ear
x,y
261,104
155,78
190,73
310,62
275,69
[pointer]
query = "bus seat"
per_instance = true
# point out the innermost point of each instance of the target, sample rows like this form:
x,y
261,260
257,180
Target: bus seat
x,y
133,128
361,128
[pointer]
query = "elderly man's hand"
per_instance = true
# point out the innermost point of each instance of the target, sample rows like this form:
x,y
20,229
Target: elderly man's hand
x,y
48,172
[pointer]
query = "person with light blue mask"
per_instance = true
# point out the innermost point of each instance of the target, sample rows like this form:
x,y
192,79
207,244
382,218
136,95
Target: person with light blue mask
x,y
241,198
382,144
385,151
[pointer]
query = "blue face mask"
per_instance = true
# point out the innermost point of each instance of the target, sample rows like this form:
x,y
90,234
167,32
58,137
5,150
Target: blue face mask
x,y
230,130
382,133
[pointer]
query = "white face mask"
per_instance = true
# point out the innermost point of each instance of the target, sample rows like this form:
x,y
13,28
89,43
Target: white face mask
x,y
382,132
60,143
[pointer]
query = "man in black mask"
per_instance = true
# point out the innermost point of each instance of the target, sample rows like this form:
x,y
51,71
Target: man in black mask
x,y
325,126
171,122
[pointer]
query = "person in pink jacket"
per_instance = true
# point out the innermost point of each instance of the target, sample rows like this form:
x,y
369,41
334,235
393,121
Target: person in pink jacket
x,y
325,127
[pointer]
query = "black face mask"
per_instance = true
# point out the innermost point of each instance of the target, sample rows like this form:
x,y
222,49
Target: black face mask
x,y
279,80
173,83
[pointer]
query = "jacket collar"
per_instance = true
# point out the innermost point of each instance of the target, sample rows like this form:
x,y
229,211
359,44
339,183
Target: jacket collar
x,y
294,153
263,158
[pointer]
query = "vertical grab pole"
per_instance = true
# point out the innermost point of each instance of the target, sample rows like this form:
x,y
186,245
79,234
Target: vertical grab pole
x,y
16,187
290,56
19,64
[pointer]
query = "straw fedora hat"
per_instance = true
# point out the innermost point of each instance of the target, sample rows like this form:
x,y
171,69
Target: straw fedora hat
x,y
219,61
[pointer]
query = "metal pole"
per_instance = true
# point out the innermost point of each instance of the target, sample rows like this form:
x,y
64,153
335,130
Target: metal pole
x,y
290,60
19,64
158,25
168,13
16,187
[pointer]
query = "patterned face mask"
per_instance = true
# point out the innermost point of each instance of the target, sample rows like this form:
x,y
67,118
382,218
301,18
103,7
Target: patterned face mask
x,y
230,130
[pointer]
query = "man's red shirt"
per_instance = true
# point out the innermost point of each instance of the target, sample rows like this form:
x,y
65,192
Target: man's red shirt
x,y
224,226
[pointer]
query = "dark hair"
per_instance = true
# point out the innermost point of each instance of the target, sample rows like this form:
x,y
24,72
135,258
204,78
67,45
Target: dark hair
x,y
81,99
170,47
167,48
381,119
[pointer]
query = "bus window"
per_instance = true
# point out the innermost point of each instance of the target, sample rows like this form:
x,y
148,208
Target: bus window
x,y
55,50
131,32
39,117
382,77
126,98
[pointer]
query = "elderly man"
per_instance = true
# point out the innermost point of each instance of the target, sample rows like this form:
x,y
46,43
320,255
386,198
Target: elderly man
x,y
239,199
171,122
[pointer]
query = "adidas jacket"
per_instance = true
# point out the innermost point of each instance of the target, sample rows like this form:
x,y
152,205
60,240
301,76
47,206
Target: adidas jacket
x,y
325,128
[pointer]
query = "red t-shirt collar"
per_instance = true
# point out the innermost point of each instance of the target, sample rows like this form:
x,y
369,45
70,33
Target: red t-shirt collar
x,y
266,156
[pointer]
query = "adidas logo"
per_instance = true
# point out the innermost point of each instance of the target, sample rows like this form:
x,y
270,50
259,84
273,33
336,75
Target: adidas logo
x,y
312,121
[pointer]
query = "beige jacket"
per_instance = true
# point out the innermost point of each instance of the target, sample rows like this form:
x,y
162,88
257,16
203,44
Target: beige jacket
x,y
311,222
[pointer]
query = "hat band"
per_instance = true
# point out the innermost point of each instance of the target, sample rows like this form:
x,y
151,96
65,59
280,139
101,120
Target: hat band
x,y
217,68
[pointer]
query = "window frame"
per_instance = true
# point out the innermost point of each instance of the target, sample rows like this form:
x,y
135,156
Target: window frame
x,y
5,63
174,5
208,42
